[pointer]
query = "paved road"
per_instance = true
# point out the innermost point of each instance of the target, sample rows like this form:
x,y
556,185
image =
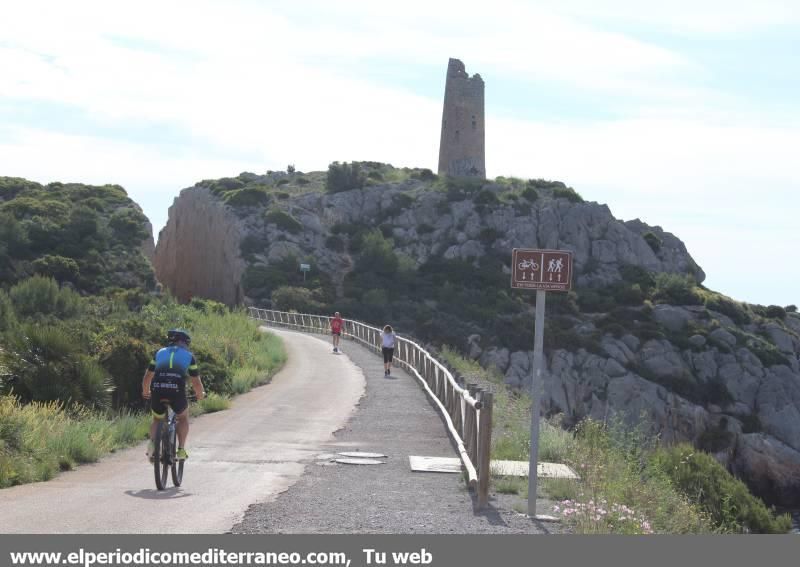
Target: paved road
x,y
248,454
395,418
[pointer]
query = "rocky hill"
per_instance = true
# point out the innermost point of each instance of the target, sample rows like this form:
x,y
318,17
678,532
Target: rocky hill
x,y
640,336
93,238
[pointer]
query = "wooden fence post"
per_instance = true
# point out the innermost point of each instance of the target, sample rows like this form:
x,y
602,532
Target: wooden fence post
x,y
472,448
484,448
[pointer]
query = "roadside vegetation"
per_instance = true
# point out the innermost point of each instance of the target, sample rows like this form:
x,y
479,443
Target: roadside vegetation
x,y
629,482
80,321
71,370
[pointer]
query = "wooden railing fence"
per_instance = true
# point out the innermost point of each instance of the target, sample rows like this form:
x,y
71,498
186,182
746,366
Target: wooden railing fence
x,y
466,408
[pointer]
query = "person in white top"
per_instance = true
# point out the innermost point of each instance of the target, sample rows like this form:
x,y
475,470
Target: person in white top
x,y
388,339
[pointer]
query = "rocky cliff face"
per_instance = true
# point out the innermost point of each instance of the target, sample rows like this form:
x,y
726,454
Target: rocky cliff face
x,y
640,338
198,249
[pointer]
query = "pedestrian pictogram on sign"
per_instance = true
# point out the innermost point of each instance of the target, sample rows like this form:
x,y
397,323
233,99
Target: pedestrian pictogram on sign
x,y
548,270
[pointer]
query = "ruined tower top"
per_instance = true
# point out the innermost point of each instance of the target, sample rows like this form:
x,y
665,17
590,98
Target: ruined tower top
x,y
462,145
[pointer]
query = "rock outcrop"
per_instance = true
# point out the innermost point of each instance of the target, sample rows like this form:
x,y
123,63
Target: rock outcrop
x,y
690,367
198,249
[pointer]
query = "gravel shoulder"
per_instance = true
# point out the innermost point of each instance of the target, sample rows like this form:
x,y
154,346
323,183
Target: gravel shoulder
x,y
396,418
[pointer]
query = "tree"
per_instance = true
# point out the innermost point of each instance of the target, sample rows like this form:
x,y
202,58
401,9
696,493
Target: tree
x,y
344,176
57,267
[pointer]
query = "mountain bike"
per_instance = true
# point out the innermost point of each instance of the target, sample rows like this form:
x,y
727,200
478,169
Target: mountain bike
x,y
165,448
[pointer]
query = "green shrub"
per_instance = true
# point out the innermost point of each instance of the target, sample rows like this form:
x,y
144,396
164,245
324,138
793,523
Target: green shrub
x,y
776,312
82,227
283,221
530,194
208,306
634,274
14,240
567,193
545,184
377,254
39,439
125,359
224,184
400,202
247,197
213,402
32,207
8,317
42,296
300,299
47,363
737,311
791,308
10,187
213,368
726,499
424,228
424,175
245,378
628,294
344,177
486,197
129,226
57,267
653,241
767,353
676,289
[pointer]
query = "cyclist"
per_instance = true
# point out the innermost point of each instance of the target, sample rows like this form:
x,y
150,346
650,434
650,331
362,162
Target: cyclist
x,y
165,379
336,330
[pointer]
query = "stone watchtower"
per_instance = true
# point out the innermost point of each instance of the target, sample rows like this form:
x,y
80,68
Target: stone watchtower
x,y
462,147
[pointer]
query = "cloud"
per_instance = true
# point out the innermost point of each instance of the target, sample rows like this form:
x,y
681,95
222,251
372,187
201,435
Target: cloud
x,y
256,86
708,18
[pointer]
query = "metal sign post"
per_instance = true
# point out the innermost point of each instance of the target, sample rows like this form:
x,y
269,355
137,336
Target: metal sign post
x,y
536,381
305,268
543,271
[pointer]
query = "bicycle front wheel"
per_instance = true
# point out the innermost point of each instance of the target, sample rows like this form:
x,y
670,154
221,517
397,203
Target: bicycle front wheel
x,y
177,466
161,458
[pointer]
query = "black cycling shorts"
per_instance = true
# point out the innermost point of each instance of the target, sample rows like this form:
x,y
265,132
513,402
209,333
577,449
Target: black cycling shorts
x,y
167,392
388,354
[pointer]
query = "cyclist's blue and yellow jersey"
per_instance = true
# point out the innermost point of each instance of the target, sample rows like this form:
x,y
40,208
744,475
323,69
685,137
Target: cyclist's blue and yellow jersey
x,y
171,365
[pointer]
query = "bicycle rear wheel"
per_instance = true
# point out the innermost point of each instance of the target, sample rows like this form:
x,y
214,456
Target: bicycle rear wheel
x,y
177,466
161,455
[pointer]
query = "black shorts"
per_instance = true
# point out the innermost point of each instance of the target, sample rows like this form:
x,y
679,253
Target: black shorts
x,y
388,354
337,333
163,394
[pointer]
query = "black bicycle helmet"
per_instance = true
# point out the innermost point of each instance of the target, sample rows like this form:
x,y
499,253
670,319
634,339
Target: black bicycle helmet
x,y
174,335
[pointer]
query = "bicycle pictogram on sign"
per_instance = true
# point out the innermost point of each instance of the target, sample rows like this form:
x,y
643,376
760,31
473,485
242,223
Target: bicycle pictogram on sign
x,y
549,270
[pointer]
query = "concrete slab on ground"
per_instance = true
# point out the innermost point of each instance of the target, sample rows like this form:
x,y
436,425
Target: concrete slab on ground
x,y
499,467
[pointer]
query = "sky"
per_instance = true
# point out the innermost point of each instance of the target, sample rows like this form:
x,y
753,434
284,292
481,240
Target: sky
x,y
684,114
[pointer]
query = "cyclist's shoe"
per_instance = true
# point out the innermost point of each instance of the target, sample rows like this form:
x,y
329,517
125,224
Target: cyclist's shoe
x,y
182,454
151,448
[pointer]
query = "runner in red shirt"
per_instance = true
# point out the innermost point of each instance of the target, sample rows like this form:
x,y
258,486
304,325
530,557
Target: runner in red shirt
x,y
336,330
